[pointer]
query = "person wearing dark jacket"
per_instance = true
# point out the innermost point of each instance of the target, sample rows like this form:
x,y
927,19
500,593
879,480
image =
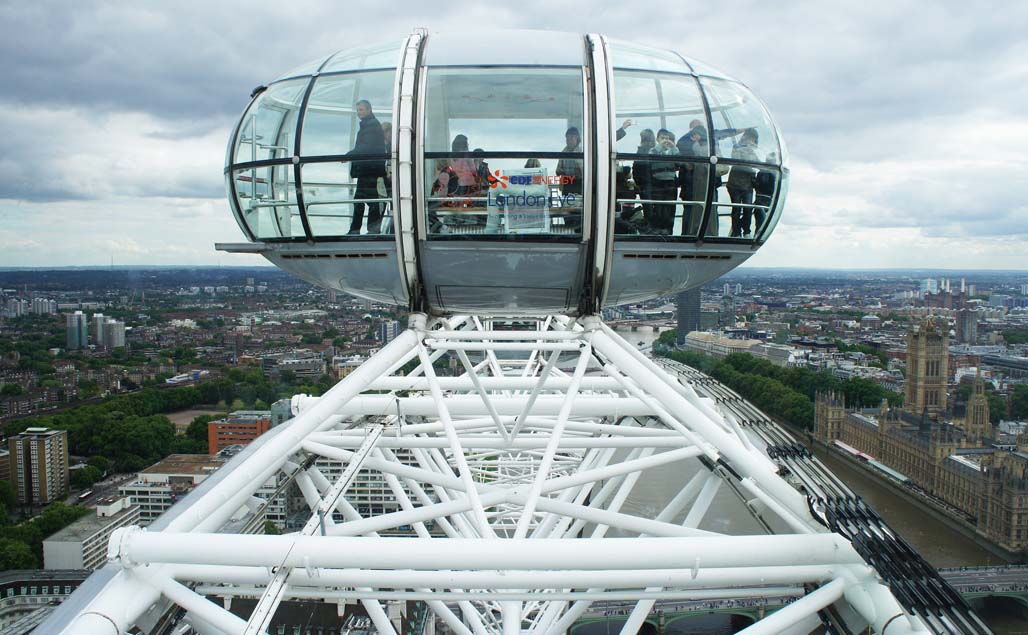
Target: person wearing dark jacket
x,y
641,170
370,140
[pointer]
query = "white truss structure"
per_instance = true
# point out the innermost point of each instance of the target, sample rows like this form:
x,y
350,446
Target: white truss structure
x,y
512,478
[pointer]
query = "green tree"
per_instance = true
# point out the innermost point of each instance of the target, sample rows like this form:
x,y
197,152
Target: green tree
x,y
271,528
85,477
1016,336
101,463
11,390
7,495
1019,402
15,554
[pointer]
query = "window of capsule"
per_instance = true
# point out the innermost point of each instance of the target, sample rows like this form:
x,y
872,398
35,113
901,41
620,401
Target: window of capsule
x,y
663,170
504,153
343,141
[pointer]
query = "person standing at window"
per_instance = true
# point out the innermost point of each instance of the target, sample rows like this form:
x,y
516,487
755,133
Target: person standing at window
x,y
741,181
572,170
370,140
663,183
692,176
641,172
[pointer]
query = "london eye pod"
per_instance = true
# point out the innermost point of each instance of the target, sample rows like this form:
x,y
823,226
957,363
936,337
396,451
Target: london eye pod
x,y
508,172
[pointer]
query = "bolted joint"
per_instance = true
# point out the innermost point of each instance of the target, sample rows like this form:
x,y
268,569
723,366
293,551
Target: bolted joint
x,y
117,548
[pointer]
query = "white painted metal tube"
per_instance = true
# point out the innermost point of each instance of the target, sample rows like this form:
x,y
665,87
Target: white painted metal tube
x,y
624,467
533,424
503,346
471,405
785,617
464,383
198,604
462,553
115,608
501,336
524,442
481,596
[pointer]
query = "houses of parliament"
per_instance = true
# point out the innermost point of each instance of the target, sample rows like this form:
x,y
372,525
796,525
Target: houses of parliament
x,y
961,461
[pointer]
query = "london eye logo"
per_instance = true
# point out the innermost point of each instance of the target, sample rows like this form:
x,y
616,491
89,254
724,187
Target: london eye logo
x,y
498,180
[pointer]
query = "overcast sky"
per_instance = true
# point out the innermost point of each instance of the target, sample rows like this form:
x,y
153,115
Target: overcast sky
x,y
907,122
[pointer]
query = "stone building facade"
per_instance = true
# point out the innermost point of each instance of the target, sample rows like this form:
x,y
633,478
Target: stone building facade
x,y
949,461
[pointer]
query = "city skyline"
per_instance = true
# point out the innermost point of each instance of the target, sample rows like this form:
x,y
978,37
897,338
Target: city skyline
x,y
902,150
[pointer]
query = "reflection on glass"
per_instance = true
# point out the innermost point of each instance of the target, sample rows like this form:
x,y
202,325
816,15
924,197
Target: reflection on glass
x,y
267,201
734,110
331,124
337,207
303,69
779,205
660,197
628,55
513,110
742,200
268,127
473,114
702,68
485,195
654,101
379,56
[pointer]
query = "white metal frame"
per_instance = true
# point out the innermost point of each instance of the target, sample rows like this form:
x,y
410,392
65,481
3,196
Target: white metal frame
x,y
521,469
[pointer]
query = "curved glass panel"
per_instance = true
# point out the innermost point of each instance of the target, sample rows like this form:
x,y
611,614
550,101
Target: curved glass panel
x,y
502,109
503,47
742,200
660,196
628,55
702,68
776,215
735,111
268,127
331,125
502,196
377,56
656,101
505,152
307,68
340,203
267,201
234,204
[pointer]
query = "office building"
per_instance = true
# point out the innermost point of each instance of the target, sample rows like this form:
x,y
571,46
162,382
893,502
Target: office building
x,y
688,303
39,465
967,326
388,330
97,330
114,334
77,331
15,307
159,486
43,306
238,428
83,544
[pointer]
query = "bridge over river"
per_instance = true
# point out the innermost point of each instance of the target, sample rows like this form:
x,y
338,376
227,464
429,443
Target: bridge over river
x,y
724,616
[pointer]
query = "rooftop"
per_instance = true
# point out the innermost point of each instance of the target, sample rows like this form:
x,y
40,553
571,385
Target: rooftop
x,y
87,526
185,464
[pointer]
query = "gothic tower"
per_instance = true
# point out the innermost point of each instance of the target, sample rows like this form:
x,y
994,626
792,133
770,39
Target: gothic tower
x,y
829,413
927,368
976,419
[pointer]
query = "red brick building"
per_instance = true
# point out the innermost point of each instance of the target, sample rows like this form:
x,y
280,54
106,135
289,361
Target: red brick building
x,y
239,428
